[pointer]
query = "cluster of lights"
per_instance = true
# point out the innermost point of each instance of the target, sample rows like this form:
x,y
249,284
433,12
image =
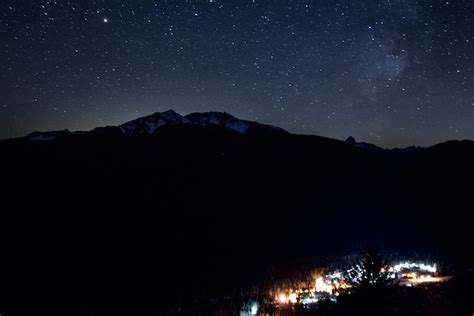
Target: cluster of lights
x,y
327,286
418,278
414,266
412,274
323,288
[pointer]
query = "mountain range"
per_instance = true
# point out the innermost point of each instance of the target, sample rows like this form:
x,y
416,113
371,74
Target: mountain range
x,y
152,124
175,206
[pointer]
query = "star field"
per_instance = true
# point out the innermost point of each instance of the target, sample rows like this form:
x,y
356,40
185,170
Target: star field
x,y
390,72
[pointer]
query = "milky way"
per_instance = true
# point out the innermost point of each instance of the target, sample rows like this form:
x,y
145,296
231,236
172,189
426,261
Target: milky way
x,y
391,72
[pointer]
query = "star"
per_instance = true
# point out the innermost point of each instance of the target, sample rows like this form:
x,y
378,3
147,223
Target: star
x,y
355,64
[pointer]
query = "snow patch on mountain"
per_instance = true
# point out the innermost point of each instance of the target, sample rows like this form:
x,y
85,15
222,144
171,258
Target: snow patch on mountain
x,y
219,119
151,127
150,124
238,126
42,137
47,136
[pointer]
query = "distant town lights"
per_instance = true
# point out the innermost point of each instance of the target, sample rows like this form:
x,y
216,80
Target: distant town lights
x,y
327,286
411,265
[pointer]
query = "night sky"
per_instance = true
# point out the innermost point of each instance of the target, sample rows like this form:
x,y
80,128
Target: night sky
x,y
391,72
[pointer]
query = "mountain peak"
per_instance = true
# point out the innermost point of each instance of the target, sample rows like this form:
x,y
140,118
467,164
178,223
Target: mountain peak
x,y
351,140
153,123
170,114
219,119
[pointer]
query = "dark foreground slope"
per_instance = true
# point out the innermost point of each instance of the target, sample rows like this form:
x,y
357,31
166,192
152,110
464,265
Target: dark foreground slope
x,y
135,224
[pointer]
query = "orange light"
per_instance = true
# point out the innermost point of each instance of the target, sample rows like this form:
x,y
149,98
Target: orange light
x,y
282,298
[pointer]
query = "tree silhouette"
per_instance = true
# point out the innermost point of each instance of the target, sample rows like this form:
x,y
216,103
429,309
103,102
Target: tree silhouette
x,y
369,281
369,272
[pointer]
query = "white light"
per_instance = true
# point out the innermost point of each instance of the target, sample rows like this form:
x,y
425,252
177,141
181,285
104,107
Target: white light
x,y
106,20
250,309
293,298
309,300
336,275
411,265
282,298
254,309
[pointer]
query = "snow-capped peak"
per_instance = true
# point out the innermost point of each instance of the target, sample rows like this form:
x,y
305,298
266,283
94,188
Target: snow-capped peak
x,y
150,124
171,115
153,123
220,119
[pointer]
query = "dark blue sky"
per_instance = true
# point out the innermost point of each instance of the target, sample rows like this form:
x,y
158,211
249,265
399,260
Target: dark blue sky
x,y
391,72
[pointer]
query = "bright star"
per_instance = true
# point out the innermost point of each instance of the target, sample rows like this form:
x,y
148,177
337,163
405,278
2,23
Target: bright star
x,y
106,20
